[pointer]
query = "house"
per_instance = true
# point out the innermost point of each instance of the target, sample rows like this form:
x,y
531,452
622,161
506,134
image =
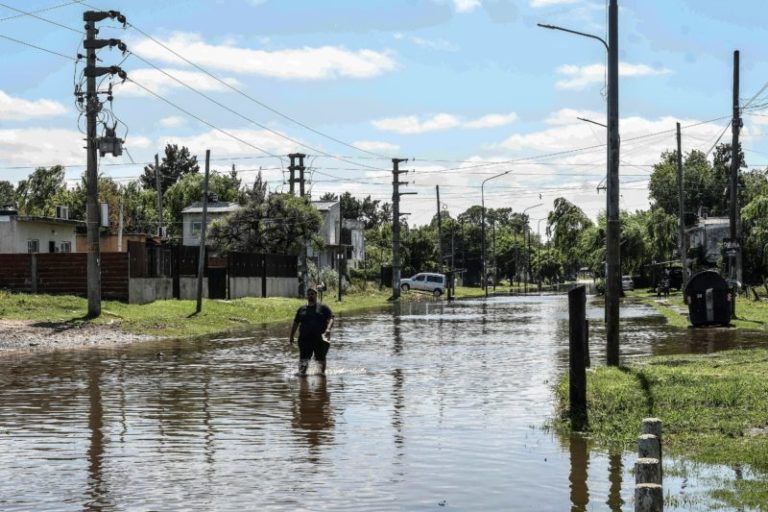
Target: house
x,y
351,239
109,242
31,234
708,235
192,219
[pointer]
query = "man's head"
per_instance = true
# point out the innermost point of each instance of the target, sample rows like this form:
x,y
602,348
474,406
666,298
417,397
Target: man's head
x,y
312,296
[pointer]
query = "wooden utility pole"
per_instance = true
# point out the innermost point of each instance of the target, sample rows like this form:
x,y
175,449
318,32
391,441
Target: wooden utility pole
x,y
396,172
159,189
92,109
201,257
120,226
613,231
733,249
682,245
340,253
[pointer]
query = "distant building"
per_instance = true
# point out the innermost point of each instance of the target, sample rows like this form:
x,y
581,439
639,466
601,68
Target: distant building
x,y
109,242
30,234
192,218
351,240
709,233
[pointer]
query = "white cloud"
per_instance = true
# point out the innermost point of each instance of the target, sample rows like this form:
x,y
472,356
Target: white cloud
x,y
137,142
409,125
492,121
30,146
160,83
220,143
377,146
172,122
17,109
579,77
466,5
307,63
547,3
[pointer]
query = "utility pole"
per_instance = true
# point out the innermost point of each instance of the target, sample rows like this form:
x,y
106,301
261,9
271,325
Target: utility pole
x,y
613,232
201,256
293,167
120,226
682,245
340,253
733,248
396,172
439,230
159,188
93,143
493,253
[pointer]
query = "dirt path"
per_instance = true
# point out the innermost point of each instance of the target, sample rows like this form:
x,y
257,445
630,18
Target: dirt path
x,y
31,335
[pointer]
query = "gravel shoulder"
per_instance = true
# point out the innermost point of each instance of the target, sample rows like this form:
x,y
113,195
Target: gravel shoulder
x,y
34,335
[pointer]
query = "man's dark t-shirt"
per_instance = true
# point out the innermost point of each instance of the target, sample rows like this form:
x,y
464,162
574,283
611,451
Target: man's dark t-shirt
x,y
312,321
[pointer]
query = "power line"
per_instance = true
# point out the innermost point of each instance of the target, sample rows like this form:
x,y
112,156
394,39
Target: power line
x,y
38,47
39,10
33,15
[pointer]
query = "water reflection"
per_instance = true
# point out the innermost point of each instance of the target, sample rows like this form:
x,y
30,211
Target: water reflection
x,y
424,404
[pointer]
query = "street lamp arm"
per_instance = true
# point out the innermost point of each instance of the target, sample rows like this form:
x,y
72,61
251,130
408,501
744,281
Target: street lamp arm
x,y
592,36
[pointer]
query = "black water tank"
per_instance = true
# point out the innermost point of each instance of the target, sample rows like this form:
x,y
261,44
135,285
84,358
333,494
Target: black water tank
x,y
708,299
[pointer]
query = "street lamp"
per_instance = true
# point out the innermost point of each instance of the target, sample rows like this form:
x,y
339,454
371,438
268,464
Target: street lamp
x,y
612,250
482,226
528,252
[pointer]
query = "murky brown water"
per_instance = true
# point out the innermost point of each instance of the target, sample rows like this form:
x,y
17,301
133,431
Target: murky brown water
x,y
433,407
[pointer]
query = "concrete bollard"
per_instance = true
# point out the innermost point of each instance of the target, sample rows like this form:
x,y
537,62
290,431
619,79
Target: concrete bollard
x,y
648,446
649,498
648,471
652,426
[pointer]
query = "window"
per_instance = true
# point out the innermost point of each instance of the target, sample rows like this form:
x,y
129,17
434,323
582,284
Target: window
x,y
197,228
33,246
435,279
419,277
66,247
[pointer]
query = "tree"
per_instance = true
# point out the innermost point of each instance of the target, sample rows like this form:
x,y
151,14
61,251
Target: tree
x,y
547,264
42,192
755,236
701,187
189,189
7,194
661,231
283,224
176,164
565,224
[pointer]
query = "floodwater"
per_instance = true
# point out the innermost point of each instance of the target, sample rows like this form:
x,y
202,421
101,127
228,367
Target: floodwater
x,y
432,406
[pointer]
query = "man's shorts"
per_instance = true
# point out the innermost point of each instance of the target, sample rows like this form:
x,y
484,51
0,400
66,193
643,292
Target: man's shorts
x,y
316,346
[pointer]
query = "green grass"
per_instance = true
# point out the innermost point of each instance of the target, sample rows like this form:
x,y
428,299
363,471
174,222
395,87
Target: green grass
x,y
175,317
750,314
714,407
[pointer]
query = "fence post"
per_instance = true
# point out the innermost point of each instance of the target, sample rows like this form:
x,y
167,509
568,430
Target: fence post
x,y
587,360
264,276
33,272
578,373
649,491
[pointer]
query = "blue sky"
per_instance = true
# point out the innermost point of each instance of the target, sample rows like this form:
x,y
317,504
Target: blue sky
x,y
453,84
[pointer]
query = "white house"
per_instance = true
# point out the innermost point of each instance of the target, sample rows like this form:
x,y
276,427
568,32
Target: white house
x,y
192,218
351,239
28,234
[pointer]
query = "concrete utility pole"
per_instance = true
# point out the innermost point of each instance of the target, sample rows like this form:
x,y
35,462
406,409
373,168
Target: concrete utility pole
x,y
293,167
733,248
483,281
340,254
203,226
439,230
93,107
682,245
396,172
159,188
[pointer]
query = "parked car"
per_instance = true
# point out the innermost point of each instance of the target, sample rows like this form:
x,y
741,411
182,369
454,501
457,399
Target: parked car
x,y
627,283
425,281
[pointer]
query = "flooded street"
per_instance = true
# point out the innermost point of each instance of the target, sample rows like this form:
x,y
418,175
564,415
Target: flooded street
x,y
430,407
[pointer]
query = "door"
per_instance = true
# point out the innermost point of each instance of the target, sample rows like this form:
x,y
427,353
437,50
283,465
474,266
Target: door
x,y
217,283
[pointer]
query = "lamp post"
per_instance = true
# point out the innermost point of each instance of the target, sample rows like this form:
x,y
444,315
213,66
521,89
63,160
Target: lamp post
x,y
613,232
484,284
528,252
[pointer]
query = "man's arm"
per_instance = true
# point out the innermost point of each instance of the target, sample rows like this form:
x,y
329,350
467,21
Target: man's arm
x,y
293,330
328,325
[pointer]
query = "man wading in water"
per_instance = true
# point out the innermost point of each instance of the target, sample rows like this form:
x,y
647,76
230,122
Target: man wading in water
x,y
314,322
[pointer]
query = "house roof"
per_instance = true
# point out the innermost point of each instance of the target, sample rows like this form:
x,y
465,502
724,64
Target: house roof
x,y
48,220
323,206
221,207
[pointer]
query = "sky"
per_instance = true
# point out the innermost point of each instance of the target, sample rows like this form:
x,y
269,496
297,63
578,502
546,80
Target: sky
x,y
465,89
